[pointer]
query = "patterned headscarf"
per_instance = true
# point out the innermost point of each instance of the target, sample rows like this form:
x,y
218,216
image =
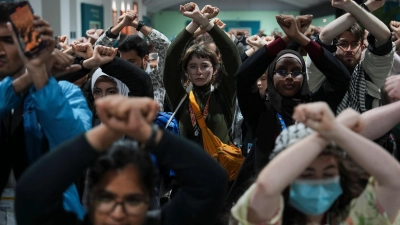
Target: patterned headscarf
x,y
295,133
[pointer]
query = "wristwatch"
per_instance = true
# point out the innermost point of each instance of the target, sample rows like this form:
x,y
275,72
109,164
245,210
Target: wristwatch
x,y
140,25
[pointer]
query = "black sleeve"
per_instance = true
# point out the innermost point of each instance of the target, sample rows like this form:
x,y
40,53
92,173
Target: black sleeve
x,y
39,192
250,102
203,180
74,76
337,79
381,50
136,79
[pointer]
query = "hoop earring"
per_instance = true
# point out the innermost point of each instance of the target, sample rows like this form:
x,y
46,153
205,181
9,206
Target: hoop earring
x,y
213,79
187,82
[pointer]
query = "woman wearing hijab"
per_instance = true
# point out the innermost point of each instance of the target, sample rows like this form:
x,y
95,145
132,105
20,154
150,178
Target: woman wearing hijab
x,y
318,187
103,85
287,87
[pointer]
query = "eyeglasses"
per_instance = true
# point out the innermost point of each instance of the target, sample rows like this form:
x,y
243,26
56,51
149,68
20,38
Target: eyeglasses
x,y
344,45
132,205
203,68
284,73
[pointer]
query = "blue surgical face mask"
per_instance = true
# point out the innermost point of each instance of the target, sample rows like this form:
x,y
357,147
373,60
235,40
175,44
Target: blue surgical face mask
x,y
314,197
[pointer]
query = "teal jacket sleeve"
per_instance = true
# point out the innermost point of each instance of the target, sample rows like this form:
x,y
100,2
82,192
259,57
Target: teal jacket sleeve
x,y
62,111
63,114
8,98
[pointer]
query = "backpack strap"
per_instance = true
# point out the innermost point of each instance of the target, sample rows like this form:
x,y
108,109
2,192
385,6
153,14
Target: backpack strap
x,y
176,110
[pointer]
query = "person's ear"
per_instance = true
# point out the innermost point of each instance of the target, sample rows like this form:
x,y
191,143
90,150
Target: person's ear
x,y
146,58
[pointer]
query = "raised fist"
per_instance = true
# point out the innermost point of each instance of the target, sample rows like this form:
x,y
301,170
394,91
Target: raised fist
x,y
209,11
84,50
63,42
303,22
318,116
219,23
395,26
131,116
288,25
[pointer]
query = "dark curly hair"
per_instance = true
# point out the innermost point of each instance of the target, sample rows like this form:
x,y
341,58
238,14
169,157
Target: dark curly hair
x,y
353,180
121,154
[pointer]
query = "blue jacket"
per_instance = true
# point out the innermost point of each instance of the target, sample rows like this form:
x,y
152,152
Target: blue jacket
x,y
57,112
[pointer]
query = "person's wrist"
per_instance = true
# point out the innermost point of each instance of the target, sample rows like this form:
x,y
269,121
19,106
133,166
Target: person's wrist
x,y
35,69
102,137
134,24
351,6
90,63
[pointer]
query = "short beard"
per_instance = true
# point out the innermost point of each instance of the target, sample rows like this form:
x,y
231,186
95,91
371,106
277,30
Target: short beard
x,y
349,65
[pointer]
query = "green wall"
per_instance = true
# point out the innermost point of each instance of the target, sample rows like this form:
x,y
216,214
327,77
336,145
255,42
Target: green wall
x,y
320,20
171,23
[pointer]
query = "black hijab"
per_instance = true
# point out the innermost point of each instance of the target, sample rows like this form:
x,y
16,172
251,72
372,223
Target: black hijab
x,y
284,105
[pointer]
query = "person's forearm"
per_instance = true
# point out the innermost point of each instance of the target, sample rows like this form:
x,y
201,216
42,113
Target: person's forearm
x,y
367,154
380,120
136,79
192,27
302,39
173,67
115,30
39,76
276,176
375,26
249,52
81,151
101,137
145,30
193,168
336,27
22,83
199,32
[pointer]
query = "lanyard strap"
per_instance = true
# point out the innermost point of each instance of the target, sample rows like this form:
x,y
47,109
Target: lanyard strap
x,y
193,117
281,121
205,111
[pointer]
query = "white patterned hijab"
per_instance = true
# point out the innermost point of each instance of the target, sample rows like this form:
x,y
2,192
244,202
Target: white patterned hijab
x,y
122,88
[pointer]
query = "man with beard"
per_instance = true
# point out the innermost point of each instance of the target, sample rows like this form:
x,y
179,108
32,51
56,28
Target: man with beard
x,y
369,68
135,50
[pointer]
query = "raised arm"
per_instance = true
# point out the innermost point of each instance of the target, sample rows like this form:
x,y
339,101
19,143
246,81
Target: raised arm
x,y
80,152
276,176
376,27
341,24
193,168
367,154
173,62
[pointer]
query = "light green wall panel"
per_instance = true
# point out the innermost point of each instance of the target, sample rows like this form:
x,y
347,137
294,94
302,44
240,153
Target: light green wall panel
x,y
172,22
320,20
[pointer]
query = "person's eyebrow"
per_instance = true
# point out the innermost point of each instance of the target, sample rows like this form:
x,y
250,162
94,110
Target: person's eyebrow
x,y
310,170
330,167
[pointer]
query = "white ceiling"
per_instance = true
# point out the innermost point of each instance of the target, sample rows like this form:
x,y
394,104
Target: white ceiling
x,y
154,6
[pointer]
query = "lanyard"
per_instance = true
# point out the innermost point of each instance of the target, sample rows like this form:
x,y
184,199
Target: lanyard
x,y
193,117
281,121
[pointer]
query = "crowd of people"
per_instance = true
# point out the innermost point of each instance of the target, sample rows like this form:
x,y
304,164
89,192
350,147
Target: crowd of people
x,y
300,127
